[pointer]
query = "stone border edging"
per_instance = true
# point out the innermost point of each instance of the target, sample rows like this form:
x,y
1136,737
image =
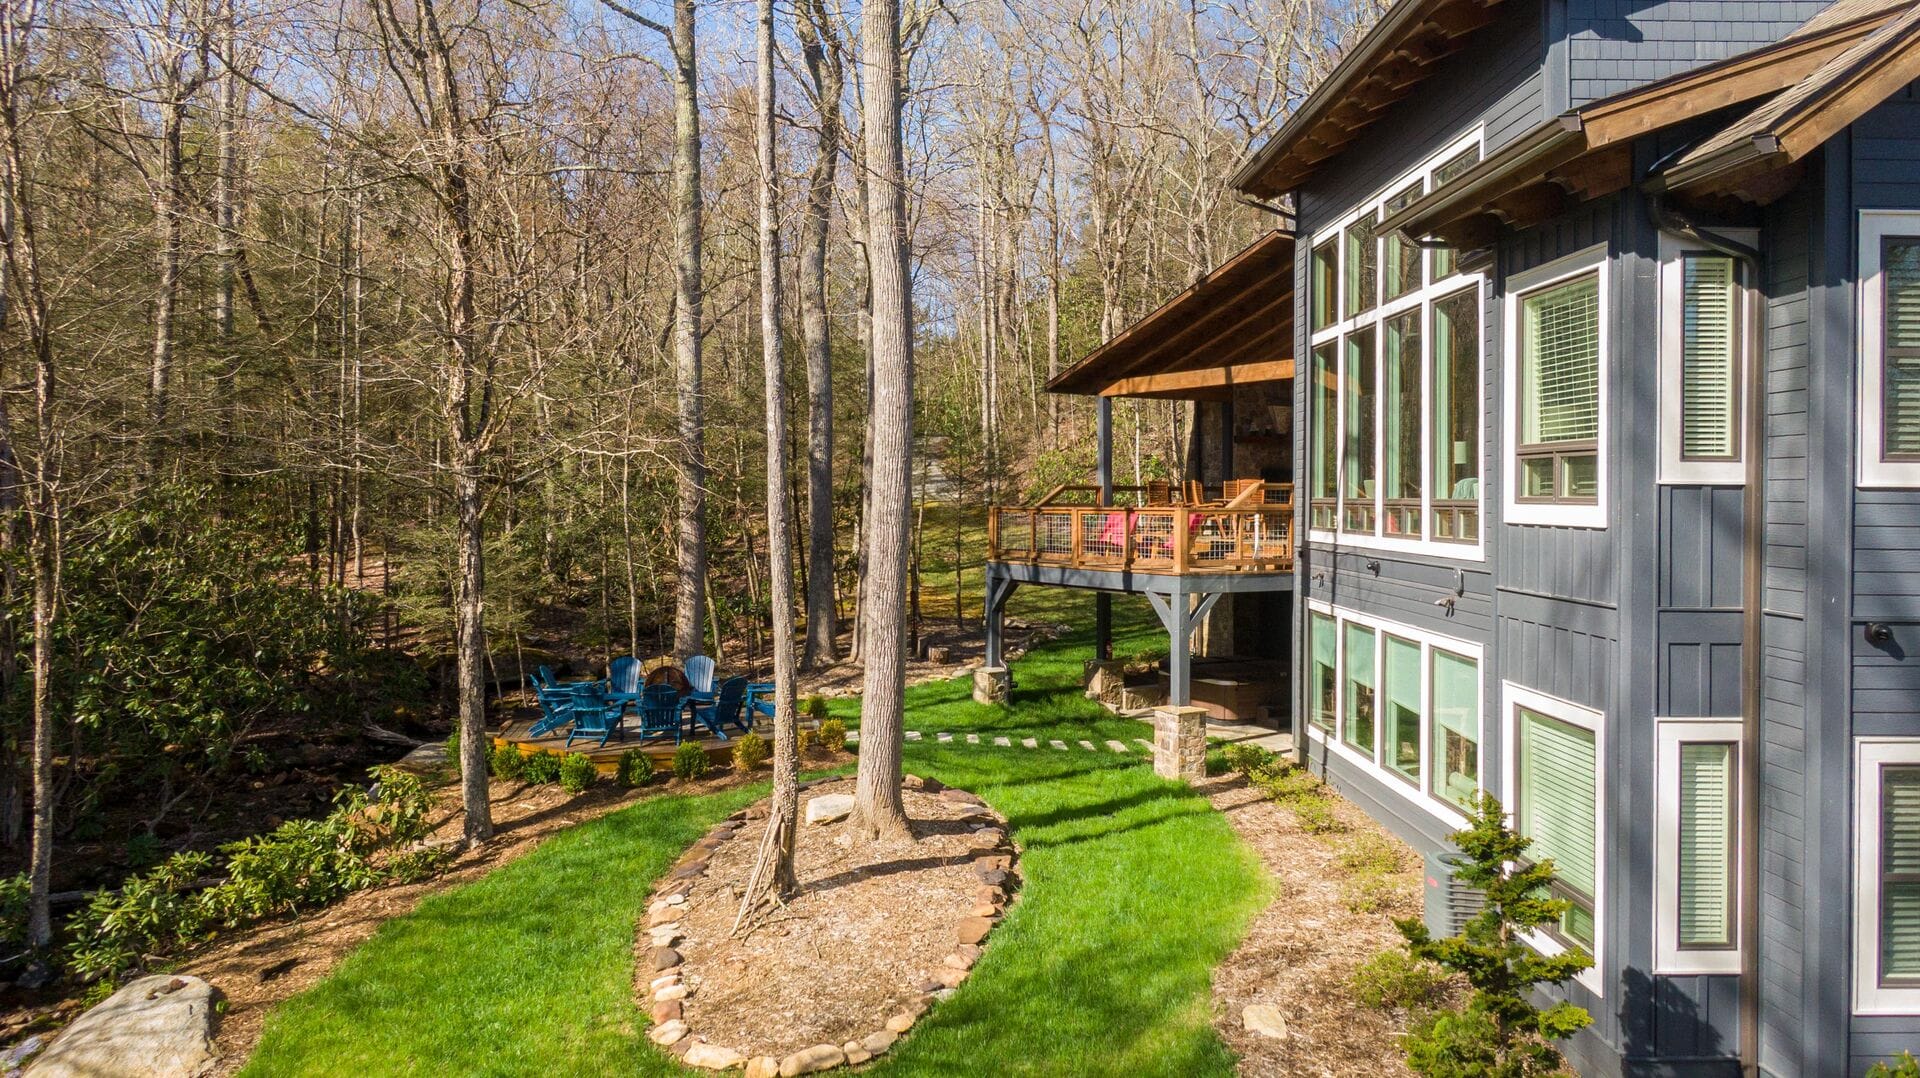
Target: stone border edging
x,y
994,856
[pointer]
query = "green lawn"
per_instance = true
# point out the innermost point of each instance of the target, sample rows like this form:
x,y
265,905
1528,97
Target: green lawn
x,y
1134,888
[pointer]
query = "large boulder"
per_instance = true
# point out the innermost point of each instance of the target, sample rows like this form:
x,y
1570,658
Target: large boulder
x,y
156,1027
829,807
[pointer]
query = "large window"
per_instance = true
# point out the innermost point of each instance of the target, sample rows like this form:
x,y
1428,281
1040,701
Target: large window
x,y
1890,348
1556,782
1403,325
1886,897
1326,671
1324,393
1401,702
1696,872
1557,393
1704,351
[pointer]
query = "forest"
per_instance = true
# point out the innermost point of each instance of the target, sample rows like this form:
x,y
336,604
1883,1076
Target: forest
x,y
354,352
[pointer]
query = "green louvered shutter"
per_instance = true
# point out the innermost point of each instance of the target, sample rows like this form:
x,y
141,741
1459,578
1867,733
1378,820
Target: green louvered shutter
x,y
1561,363
1558,807
1900,875
1900,266
1706,844
1707,376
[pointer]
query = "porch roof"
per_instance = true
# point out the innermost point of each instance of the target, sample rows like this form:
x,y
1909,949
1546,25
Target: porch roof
x,y
1232,327
1587,152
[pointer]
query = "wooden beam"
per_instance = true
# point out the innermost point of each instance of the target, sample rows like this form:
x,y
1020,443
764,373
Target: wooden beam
x,y
1879,79
1209,378
1467,233
1530,205
1597,174
1204,332
1459,20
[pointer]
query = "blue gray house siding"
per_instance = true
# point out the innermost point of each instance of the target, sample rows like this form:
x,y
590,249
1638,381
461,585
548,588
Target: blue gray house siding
x,y
1615,45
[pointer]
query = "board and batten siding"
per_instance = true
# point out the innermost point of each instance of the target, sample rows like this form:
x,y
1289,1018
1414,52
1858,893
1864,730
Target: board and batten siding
x,y
1615,45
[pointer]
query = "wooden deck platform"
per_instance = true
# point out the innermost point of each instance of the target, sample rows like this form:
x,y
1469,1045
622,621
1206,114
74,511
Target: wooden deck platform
x,y
606,760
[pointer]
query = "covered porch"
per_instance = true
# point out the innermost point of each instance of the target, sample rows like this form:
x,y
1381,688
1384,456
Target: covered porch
x,y
1194,544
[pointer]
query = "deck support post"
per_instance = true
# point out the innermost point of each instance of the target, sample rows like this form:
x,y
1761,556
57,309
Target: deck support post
x,y
1102,601
1179,615
1000,587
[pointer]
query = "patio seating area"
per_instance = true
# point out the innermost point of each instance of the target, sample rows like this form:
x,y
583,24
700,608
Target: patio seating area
x,y
654,706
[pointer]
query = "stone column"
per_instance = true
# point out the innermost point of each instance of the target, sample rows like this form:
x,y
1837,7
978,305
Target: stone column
x,y
991,684
1104,680
1180,742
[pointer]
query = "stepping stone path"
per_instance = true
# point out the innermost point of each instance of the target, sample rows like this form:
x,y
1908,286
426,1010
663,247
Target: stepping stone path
x,y
1087,745
1117,746
1145,745
1005,743
1029,743
943,738
1061,745
973,739
913,735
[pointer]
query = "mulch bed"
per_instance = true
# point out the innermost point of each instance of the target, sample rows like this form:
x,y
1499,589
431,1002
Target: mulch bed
x,y
877,933
1300,953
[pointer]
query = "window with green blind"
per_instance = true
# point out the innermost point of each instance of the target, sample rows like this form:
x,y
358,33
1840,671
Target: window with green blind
x,y
1401,674
1323,393
1326,676
1900,875
1706,856
1559,368
1456,728
1326,284
1900,383
1358,645
1709,350
1558,808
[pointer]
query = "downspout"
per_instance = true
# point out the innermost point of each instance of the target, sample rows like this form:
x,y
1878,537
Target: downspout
x,y
1753,536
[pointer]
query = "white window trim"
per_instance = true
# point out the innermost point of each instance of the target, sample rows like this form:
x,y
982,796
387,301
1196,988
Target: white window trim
x,y
1376,316
1870,755
1513,698
1420,795
1591,260
1875,226
1674,468
1668,955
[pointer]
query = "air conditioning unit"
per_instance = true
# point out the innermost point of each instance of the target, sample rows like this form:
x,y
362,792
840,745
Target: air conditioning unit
x,y
1450,903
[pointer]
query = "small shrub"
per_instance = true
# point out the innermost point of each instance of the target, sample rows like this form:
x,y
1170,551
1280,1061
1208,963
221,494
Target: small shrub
x,y
542,768
508,762
636,768
1371,893
1499,1033
1905,1066
416,865
816,708
806,740
690,761
1216,762
13,911
1316,815
1249,760
577,773
1370,853
750,751
1396,979
833,734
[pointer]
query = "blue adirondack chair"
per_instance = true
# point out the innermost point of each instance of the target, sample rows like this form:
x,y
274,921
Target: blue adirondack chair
x,y
725,709
660,713
623,680
595,716
556,700
760,700
699,671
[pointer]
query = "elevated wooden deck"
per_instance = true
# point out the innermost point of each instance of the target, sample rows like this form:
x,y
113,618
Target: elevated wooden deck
x,y
1249,529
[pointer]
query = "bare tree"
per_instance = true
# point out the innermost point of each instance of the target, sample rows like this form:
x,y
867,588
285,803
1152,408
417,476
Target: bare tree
x,y
878,809
820,50
773,871
691,529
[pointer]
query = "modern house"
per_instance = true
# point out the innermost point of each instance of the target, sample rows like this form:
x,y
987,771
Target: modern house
x,y
1607,315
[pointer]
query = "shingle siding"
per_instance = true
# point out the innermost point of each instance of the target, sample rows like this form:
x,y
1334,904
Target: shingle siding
x,y
1615,45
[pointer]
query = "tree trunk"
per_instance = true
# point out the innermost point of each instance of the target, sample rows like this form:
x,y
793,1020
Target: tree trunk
x,y
470,647
823,622
774,869
691,532
878,809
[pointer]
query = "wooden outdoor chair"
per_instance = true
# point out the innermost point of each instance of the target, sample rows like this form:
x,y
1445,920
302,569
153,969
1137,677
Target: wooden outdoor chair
x,y
661,713
594,715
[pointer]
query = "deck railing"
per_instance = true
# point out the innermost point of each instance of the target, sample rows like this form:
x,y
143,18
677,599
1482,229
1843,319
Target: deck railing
x,y
1171,539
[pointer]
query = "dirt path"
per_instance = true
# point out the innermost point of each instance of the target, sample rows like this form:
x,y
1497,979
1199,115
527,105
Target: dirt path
x,y
1300,953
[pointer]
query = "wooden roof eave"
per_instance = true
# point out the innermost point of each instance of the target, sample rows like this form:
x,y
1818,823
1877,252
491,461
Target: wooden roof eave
x,y
1524,162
